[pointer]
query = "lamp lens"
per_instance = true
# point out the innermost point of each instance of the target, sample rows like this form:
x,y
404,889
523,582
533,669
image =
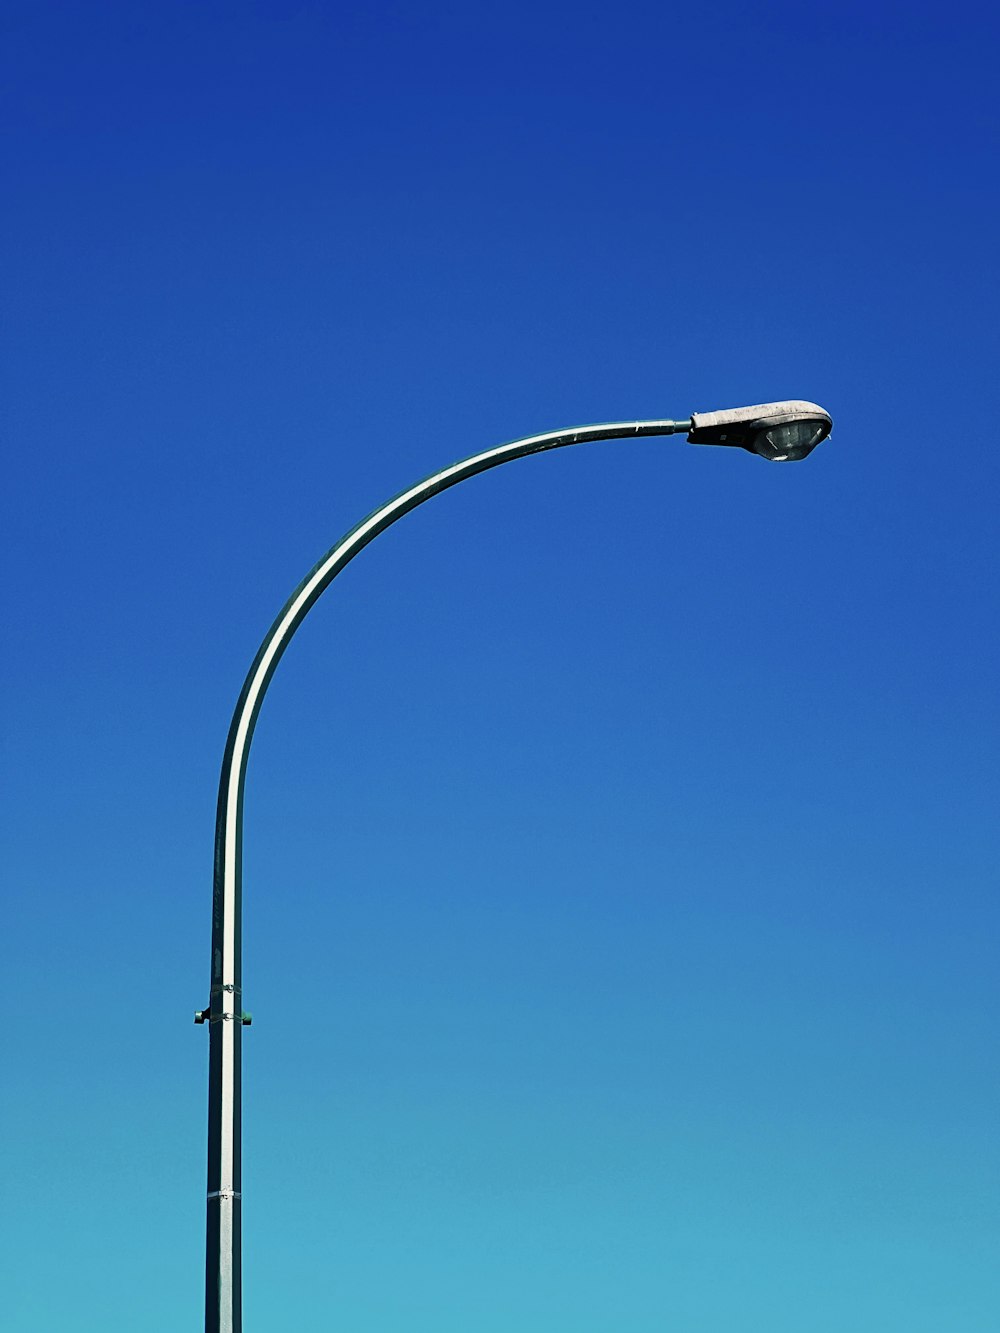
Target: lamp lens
x,y
790,442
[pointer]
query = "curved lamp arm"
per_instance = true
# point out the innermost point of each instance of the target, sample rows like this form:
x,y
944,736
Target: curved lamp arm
x,y
228,832
224,1014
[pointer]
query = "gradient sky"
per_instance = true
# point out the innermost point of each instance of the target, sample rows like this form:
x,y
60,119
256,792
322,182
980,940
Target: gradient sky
x,y
620,877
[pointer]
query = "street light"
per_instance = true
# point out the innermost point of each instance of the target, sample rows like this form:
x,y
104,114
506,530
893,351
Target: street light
x,y
781,432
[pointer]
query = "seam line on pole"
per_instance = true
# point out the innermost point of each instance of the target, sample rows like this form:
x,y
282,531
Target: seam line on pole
x,y
225,1194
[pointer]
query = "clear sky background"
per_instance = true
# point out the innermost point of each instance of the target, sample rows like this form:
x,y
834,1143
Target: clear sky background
x,y
620,877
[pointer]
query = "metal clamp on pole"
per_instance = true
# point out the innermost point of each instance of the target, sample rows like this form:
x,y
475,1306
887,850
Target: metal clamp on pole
x,y
206,1016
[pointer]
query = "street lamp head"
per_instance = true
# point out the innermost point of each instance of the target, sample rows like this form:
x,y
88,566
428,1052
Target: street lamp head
x,y
781,432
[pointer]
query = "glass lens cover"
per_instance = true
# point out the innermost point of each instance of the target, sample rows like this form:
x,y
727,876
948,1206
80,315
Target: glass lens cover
x,y
791,441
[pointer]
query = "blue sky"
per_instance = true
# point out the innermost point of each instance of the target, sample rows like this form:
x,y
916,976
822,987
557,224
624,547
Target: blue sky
x,y
620,873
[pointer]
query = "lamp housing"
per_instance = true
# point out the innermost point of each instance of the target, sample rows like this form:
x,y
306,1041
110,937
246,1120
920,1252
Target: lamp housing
x,y
781,432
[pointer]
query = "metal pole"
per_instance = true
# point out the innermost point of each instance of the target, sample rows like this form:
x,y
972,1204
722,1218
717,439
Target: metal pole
x,y
224,1015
